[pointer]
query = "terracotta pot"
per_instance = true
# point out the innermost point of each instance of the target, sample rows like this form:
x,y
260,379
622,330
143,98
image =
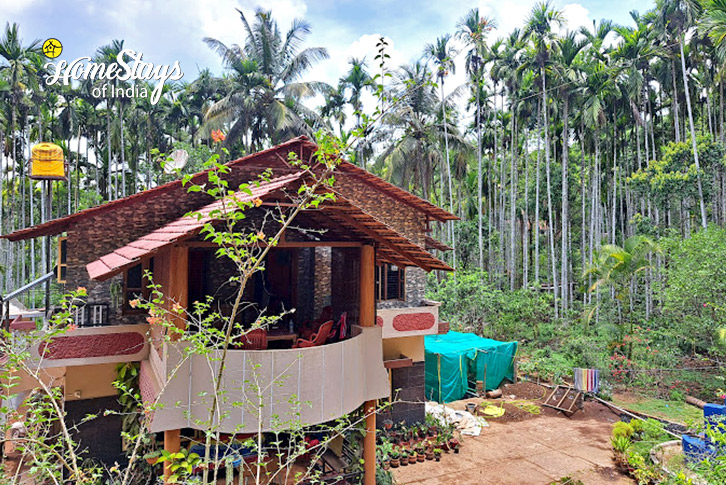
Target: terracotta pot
x,y
404,460
421,457
430,456
395,462
386,464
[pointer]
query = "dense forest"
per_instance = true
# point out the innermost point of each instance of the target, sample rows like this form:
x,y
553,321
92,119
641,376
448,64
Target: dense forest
x,y
587,167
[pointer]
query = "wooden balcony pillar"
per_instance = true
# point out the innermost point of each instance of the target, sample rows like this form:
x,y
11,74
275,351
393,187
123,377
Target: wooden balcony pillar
x,y
367,318
172,444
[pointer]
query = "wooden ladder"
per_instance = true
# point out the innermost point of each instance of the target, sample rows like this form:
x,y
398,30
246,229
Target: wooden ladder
x,y
568,393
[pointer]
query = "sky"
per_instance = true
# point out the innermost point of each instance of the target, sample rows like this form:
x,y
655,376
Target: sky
x,y
166,31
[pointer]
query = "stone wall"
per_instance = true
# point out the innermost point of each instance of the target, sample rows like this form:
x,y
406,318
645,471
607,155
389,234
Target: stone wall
x,y
323,268
306,274
99,438
408,386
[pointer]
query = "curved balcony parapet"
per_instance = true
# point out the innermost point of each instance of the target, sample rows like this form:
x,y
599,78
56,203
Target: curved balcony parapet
x,y
271,390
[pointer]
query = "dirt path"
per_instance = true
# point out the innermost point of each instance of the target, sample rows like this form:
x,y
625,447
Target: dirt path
x,y
528,449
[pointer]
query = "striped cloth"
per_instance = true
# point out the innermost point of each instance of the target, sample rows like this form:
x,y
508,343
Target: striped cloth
x,y
587,380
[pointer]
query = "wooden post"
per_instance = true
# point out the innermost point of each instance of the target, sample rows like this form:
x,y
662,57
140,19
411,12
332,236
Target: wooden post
x,y
172,444
177,290
367,318
367,310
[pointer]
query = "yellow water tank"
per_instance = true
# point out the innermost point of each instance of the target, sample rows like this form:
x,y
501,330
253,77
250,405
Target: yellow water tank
x,y
47,162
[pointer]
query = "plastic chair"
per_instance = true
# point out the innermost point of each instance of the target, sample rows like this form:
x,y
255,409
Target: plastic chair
x,y
253,340
340,329
318,339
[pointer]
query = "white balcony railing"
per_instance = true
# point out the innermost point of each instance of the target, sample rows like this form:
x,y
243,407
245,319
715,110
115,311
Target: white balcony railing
x,y
266,389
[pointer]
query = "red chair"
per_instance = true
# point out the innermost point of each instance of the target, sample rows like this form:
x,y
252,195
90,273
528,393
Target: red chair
x,y
255,339
318,339
308,328
340,329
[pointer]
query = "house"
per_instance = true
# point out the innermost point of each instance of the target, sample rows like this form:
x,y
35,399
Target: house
x,y
365,254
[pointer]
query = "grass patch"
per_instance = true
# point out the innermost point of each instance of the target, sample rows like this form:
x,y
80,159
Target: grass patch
x,y
677,411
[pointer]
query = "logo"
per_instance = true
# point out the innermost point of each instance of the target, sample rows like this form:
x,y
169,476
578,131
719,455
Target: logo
x,y
52,48
129,66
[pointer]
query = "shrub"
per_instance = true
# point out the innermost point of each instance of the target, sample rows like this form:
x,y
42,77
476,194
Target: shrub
x,y
622,429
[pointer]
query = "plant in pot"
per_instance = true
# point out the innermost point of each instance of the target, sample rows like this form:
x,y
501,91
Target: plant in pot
x,y
384,451
429,451
420,452
437,454
387,424
454,444
404,457
395,458
152,458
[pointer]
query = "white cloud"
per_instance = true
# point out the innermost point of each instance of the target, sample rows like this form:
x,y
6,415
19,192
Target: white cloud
x,y
14,7
577,16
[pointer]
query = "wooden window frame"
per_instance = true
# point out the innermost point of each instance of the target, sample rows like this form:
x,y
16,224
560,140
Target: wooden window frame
x,y
382,271
143,292
62,263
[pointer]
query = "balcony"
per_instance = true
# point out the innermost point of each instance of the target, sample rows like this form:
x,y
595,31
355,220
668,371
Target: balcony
x,y
266,389
409,321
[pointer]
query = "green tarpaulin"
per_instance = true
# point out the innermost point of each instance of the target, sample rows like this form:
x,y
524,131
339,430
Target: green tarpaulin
x,y
455,361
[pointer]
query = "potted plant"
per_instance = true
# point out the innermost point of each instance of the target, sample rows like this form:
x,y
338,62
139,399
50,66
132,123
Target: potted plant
x,y
404,458
437,454
429,453
384,451
387,424
395,458
454,444
420,452
152,458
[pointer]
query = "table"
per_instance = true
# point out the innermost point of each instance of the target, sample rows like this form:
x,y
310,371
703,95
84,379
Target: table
x,y
279,335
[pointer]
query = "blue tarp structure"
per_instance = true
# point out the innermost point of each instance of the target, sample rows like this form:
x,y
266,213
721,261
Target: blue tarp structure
x,y
455,361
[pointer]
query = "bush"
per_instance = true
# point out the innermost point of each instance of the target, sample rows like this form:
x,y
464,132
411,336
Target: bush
x,y
622,429
472,304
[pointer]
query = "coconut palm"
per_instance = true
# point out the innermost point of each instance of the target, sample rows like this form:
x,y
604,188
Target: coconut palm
x,y
264,94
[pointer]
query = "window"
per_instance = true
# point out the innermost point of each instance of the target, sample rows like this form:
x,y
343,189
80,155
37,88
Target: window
x,y
62,266
390,282
135,283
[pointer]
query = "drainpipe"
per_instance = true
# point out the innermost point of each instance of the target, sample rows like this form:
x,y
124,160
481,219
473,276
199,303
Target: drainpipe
x,y
367,318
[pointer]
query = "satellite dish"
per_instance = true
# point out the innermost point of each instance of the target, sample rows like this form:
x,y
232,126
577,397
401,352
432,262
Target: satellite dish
x,y
178,159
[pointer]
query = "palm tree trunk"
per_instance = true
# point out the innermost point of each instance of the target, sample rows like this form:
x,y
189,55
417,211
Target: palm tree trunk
x,y
479,176
525,225
676,123
549,191
108,144
512,204
701,201
123,150
448,176
565,200
536,196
